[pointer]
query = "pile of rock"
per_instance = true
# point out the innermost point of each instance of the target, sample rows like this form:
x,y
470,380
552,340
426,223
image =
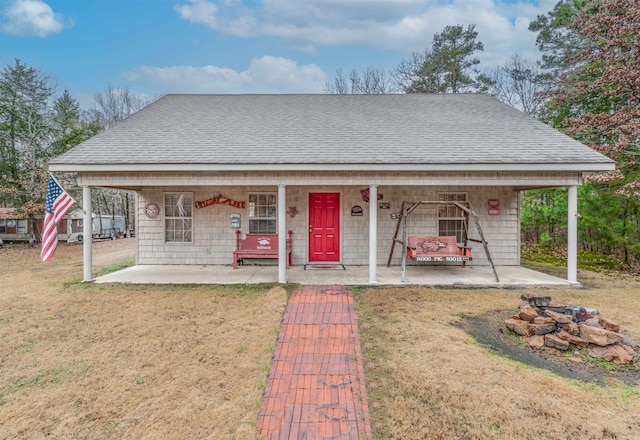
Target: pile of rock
x,y
543,322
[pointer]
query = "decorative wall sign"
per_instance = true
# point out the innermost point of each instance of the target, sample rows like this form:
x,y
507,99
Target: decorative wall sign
x,y
494,207
220,200
234,221
384,205
292,211
151,209
356,211
365,195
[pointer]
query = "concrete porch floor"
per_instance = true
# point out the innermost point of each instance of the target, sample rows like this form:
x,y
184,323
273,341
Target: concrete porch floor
x,y
471,276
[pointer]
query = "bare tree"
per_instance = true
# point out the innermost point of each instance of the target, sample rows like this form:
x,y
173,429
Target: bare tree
x,y
118,103
405,72
520,83
371,81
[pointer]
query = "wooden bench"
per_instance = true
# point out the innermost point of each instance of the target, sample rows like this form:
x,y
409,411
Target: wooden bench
x,y
437,249
262,246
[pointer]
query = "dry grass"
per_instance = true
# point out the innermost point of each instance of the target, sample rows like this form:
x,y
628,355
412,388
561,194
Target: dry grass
x,y
112,361
428,379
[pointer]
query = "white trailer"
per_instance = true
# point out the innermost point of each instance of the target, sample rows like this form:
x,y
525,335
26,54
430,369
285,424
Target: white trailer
x,y
107,226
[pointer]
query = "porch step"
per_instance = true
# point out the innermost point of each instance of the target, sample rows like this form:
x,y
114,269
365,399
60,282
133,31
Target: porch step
x,y
324,266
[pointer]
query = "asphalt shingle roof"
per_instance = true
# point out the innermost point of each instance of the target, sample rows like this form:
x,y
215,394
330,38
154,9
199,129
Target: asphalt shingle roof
x,y
330,129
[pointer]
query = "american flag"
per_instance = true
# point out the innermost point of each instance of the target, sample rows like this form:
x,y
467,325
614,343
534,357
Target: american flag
x,y
57,204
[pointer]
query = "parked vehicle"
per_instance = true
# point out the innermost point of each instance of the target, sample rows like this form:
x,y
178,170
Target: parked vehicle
x,y
106,226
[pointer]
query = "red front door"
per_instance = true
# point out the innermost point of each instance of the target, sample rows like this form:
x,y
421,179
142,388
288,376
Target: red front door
x,y
324,227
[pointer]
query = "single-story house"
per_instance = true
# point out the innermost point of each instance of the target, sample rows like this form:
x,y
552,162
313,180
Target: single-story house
x,y
332,169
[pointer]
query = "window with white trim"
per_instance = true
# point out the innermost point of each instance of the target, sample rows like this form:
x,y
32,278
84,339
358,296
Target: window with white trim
x,y
450,217
178,217
21,228
263,213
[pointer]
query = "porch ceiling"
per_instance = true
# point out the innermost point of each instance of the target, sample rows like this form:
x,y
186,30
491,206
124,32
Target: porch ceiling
x,y
521,179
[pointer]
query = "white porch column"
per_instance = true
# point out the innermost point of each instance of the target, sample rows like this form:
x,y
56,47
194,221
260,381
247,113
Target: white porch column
x,y
282,234
87,233
572,235
373,233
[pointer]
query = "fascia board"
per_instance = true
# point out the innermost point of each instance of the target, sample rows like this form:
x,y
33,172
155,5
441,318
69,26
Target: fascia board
x,y
480,167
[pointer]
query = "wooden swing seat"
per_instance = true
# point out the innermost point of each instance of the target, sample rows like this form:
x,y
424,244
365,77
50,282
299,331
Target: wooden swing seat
x,y
431,248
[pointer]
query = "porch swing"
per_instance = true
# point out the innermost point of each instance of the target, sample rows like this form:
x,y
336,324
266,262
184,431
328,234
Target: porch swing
x,y
438,248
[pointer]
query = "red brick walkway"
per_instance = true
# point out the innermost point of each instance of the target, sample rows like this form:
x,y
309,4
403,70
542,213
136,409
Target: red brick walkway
x,y
316,383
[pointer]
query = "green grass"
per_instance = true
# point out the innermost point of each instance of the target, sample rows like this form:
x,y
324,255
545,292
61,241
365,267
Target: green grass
x,y
514,363
116,267
291,287
111,429
246,290
554,259
614,390
73,282
607,365
52,376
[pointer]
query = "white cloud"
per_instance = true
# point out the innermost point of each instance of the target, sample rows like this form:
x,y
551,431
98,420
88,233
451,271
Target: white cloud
x,y
233,18
392,25
264,75
31,17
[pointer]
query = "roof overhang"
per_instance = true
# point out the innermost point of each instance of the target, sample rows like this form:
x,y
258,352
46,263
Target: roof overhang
x,y
443,167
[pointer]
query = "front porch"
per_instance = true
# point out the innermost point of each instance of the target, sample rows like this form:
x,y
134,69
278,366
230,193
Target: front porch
x,y
445,276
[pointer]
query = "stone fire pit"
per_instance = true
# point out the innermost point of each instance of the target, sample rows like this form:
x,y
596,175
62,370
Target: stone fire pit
x,y
542,322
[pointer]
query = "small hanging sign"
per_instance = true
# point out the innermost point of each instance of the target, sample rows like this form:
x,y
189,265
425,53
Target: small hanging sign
x,y
494,207
365,195
151,210
234,221
356,211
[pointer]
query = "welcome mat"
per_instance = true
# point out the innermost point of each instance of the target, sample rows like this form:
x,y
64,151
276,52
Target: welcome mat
x,y
324,266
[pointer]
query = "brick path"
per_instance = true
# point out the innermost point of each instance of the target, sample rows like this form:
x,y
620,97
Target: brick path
x,y
316,384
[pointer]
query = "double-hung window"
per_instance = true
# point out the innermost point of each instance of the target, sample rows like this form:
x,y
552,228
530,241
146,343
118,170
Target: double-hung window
x,y
262,213
451,219
178,217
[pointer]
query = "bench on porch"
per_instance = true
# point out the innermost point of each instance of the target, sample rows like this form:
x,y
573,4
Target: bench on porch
x,y
431,248
259,246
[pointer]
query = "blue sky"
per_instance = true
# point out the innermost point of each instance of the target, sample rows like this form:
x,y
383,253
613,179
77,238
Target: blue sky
x,y
241,46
